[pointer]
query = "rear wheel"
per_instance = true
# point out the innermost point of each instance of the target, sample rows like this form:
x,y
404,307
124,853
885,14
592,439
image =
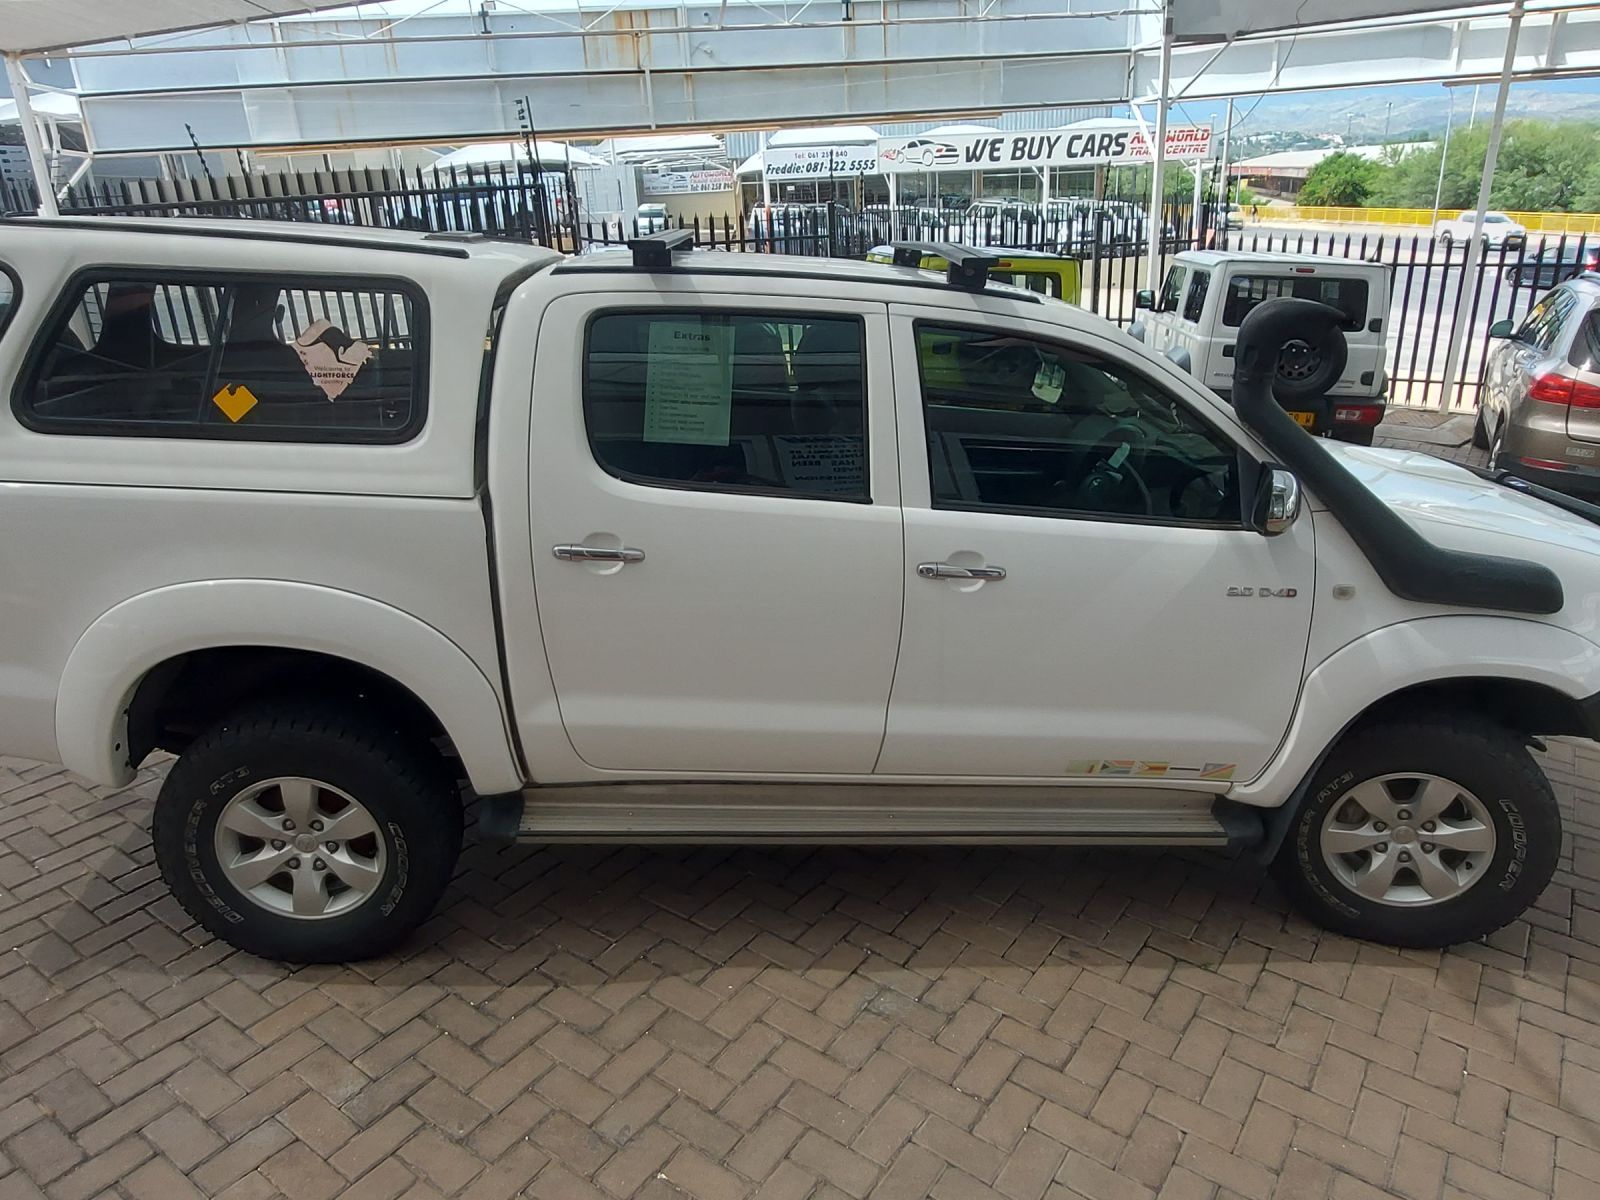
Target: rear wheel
x,y
1422,832
1446,241
308,834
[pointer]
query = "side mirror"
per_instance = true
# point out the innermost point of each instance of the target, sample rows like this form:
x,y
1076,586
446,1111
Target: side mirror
x,y
1144,298
1501,329
1277,502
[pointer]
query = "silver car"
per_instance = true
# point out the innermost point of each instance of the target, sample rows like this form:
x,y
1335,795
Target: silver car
x,y
1540,413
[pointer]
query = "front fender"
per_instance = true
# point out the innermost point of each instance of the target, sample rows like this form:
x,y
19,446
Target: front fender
x,y
1397,657
114,654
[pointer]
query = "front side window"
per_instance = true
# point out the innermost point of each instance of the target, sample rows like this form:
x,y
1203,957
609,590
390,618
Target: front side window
x,y
257,357
732,401
1020,425
1542,327
1348,295
1195,302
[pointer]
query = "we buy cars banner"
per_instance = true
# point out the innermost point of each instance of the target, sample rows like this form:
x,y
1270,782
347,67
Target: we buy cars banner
x,y
1046,148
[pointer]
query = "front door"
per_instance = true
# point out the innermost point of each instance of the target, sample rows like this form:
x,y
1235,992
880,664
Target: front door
x,y
716,530
1083,598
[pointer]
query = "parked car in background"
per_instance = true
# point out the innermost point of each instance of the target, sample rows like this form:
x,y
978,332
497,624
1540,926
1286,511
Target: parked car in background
x,y
1540,413
1550,264
1499,231
1207,294
651,218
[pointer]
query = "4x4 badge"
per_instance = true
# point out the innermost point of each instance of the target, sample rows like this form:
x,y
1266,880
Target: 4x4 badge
x,y
1266,592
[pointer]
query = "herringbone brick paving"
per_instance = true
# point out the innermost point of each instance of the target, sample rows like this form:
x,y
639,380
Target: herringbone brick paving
x,y
828,1023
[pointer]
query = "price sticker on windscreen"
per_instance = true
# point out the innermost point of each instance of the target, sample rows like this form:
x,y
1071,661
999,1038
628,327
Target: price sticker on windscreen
x,y
688,388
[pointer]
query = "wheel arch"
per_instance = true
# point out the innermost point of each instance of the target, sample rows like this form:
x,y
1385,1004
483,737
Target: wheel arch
x,y
223,642
1527,673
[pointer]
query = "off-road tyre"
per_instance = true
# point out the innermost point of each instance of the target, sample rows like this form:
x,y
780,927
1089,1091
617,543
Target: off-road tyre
x,y
399,779
1478,755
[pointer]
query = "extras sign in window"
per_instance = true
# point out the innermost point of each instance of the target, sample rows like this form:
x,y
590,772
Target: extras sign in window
x,y
189,355
740,402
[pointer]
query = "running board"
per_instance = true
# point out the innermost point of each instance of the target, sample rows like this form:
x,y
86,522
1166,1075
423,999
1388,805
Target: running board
x,y
815,814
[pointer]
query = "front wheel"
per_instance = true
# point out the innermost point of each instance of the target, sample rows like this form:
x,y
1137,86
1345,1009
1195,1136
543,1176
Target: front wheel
x,y
1422,833
308,834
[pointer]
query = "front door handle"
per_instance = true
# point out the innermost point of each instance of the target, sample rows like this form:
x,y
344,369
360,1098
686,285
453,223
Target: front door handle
x,y
621,554
942,570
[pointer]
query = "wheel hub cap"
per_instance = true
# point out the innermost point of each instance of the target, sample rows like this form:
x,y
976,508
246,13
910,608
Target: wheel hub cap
x,y
300,848
1408,840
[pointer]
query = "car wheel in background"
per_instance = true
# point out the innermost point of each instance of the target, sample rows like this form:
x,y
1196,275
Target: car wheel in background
x,y
308,834
1480,432
1446,241
1422,831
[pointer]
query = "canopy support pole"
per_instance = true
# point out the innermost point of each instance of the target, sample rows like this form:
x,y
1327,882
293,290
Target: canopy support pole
x,y
31,136
1158,154
1467,291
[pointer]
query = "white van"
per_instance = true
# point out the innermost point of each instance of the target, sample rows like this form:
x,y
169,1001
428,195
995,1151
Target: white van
x,y
1206,294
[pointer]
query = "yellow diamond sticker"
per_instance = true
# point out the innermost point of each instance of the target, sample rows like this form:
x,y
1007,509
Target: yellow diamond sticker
x,y
235,402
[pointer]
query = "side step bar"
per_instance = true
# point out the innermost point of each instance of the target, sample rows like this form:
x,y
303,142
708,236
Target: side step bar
x,y
883,814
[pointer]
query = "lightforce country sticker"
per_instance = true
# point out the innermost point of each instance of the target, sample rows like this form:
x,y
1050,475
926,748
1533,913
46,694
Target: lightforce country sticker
x,y
1135,768
331,356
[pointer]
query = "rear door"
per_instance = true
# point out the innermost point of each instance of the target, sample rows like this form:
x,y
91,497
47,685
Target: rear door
x,y
716,530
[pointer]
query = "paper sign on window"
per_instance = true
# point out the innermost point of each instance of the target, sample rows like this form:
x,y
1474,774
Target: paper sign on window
x,y
688,389
822,462
330,356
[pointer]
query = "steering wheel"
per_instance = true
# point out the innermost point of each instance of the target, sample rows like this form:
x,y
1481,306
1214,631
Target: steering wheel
x,y
1113,483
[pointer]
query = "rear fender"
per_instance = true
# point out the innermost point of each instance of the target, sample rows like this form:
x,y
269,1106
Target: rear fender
x,y
114,654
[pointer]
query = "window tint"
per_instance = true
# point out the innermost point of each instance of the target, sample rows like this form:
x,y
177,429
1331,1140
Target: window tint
x,y
276,358
1016,424
1349,296
729,401
1172,290
1194,304
1542,328
1586,346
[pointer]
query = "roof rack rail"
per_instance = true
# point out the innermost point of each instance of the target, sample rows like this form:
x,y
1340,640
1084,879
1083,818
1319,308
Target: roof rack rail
x,y
969,269
653,251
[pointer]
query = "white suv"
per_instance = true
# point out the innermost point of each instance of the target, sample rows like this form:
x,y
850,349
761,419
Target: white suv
x,y
671,547
1332,385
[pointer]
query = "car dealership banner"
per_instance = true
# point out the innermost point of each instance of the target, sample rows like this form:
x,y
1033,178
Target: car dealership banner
x,y
819,162
678,183
1045,148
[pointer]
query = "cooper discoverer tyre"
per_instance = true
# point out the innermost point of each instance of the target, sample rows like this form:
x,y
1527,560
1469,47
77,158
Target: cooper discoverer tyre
x,y
308,834
1422,832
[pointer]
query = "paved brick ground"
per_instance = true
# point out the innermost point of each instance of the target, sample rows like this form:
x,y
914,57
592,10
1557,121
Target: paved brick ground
x,y
725,1023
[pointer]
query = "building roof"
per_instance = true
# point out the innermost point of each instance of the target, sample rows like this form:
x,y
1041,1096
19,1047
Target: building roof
x,y
1298,163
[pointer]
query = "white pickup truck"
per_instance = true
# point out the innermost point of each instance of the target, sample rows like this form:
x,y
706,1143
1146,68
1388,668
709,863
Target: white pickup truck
x,y
665,546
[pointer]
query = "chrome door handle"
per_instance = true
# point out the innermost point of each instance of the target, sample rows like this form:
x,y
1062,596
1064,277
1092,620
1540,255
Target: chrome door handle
x,y
941,570
623,554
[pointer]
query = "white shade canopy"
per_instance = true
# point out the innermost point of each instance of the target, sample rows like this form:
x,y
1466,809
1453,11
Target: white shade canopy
x,y
30,25
56,105
552,156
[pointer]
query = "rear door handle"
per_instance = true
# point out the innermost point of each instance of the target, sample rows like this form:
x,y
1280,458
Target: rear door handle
x,y
942,570
621,554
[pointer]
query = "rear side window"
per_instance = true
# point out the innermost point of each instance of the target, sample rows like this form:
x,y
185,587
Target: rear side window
x,y
1585,353
275,358
1348,295
729,402
1195,302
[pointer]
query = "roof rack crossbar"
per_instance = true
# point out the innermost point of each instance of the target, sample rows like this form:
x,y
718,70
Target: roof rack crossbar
x,y
653,251
968,270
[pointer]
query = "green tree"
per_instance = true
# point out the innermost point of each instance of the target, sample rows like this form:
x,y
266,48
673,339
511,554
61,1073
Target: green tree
x,y
1341,179
1544,166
